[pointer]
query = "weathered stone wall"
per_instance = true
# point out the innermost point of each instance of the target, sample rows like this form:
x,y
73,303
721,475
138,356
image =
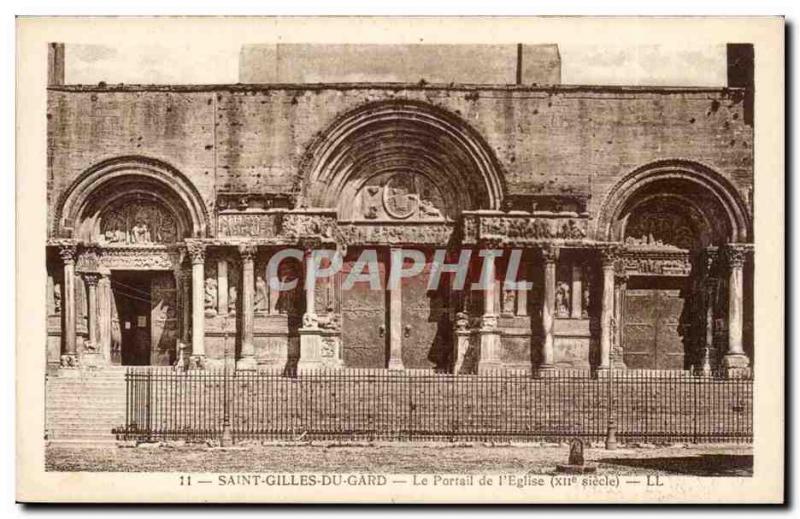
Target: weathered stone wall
x,y
254,138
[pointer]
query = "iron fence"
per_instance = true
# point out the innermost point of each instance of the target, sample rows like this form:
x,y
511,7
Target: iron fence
x,y
653,407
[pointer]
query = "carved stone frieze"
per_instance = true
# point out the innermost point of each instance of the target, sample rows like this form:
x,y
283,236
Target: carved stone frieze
x,y
140,258
377,233
664,263
248,225
309,226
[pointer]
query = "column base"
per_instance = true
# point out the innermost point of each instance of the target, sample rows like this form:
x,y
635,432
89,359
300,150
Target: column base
x,y
69,361
246,364
396,365
546,370
735,365
490,346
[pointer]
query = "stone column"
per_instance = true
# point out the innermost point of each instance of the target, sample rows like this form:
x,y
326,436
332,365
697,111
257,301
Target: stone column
x,y
197,253
549,257
735,357
310,334
91,279
395,318
576,291
709,292
104,315
247,360
617,352
183,296
489,333
222,286
608,257
69,357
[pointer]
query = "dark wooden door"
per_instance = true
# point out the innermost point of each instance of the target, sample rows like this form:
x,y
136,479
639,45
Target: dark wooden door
x,y
426,328
131,293
651,333
163,319
364,325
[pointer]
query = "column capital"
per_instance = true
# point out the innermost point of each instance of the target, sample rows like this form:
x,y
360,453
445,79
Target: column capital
x,y
247,251
67,251
196,250
549,253
736,254
609,254
91,278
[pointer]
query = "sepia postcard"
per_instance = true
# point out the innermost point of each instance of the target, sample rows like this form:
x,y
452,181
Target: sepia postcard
x,y
400,260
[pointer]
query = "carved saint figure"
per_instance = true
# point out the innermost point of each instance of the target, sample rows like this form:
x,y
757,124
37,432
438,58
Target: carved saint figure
x,y
57,298
261,299
508,301
232,295
140,233
562,297
211,295
585,304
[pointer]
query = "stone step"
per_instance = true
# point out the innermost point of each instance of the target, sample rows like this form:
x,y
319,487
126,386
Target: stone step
x,y
105,411
87,427
75,406
102,443
82,435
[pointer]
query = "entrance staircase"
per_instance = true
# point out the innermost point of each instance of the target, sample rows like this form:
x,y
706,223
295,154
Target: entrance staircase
x,y
83,408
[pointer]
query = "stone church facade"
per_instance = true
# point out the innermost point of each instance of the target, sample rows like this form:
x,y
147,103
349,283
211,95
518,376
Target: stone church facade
x,y
631,206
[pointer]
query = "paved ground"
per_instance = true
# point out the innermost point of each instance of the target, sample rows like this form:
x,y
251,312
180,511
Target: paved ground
x,y
400,458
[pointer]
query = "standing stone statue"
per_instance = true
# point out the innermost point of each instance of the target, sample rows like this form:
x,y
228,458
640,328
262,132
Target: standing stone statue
x,y
211,296
232,295
261,299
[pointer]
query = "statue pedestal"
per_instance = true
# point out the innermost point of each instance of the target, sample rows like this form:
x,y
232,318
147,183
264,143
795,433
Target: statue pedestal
x,y
490,348
310,341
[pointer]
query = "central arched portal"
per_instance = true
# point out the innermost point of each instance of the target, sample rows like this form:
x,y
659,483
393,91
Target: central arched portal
x,y
399,174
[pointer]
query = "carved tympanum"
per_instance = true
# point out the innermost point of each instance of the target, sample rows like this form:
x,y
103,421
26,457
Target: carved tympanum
x,y
400,195
138,223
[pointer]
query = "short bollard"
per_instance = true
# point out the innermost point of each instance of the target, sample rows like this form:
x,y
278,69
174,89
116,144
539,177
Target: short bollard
x,y
576,463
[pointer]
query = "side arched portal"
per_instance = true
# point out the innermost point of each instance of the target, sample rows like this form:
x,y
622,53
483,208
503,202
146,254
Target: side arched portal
x,y
671,219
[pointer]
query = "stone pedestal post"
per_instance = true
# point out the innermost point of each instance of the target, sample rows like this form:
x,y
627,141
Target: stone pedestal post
x,y
735,357
69,357
608,257
310,333
489,333
247,360
197,254
549,257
